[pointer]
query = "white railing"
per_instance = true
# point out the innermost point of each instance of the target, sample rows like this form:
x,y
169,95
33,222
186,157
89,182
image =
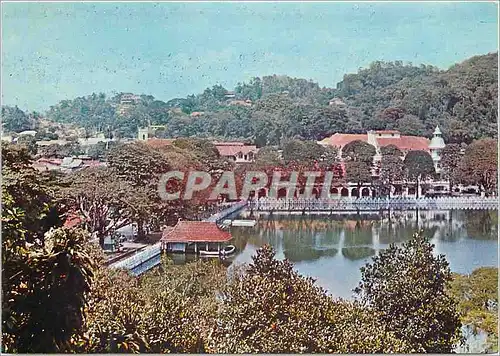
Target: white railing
x,y
230,210
138,258
446,203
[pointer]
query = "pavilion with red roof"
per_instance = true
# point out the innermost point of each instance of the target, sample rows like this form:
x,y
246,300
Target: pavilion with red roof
x,y
193,236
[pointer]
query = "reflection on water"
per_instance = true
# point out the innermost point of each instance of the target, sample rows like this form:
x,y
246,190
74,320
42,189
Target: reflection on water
x,y
332,248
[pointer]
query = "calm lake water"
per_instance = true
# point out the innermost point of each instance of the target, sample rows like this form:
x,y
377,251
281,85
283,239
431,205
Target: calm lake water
x,y
332,248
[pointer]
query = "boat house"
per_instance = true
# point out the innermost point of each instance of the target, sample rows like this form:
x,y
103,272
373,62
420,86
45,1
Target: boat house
x,y
193,237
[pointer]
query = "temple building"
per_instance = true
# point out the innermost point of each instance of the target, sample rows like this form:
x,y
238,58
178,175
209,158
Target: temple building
x,y
382,138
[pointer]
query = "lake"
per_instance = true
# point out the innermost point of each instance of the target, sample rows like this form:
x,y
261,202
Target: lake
x,y
332,247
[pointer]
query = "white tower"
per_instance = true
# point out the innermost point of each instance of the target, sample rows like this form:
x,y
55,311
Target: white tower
x,y
143,133
436,146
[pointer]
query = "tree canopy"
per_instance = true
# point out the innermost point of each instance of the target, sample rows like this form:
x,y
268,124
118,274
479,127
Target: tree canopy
x,y
407,286
479,165
359,151
272,309
418,166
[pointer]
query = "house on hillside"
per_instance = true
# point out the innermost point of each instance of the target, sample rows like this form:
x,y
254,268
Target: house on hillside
x,y
237,151
127,101
337,102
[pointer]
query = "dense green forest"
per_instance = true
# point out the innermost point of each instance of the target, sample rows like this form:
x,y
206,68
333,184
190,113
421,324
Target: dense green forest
x,y
386,95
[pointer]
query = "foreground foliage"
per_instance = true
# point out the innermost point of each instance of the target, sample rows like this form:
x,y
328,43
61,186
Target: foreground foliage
x,y
477,295
46,270
162,312
273,309
407,286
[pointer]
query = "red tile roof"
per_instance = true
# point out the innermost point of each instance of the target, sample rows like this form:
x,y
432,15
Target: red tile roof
x,y
195,231
233,148
405,143
340,140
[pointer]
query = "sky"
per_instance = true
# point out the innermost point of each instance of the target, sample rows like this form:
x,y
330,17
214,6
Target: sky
x,y
56,51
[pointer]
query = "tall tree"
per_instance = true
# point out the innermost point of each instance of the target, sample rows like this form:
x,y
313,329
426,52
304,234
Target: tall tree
x,y
358,172
359,151
418,166
304,152
46,272
104,201
479,165
141,166
28,193
450,161
407,286
391,170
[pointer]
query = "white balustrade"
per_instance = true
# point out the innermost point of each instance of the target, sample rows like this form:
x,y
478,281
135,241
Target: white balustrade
x,y
424,203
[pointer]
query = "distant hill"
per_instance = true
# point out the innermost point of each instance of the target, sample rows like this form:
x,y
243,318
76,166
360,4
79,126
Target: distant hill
x,y
268,110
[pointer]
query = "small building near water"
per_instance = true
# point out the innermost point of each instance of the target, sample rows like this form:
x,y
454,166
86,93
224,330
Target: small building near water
x,y
193,237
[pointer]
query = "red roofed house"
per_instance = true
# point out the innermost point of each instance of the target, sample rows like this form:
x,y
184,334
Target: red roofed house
x,y
193,236
237,151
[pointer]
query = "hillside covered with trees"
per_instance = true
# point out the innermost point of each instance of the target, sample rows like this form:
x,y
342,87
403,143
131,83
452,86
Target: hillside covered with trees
x,y
266,111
